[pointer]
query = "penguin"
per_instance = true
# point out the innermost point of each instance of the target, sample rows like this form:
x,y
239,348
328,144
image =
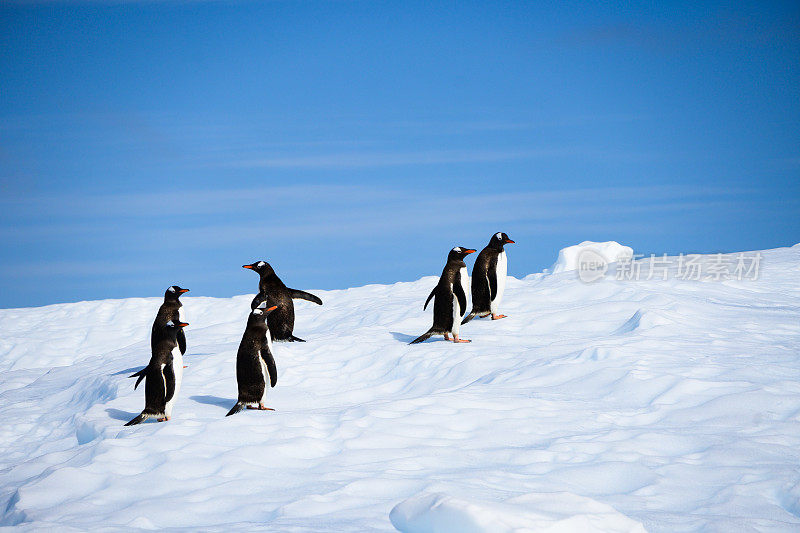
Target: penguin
x,y
450,297
163,375
489,278
281,322
169,310
255,365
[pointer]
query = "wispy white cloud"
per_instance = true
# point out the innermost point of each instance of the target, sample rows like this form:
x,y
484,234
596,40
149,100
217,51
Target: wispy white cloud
x,y
325,212
74,268
443,126
431,157
306,197
181,203
387,159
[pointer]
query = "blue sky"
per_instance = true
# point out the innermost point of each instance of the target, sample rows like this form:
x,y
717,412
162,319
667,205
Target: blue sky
x,y
149,143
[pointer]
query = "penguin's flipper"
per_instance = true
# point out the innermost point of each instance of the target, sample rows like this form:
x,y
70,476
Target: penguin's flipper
x,y
182,341
491,273
303,295
169,381
140,374
138,420
468,318
292,338
458,291
266,355
429,298
236,408
425,336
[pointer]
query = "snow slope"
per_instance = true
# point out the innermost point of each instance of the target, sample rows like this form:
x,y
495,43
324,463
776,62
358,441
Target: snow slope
x,y
615,406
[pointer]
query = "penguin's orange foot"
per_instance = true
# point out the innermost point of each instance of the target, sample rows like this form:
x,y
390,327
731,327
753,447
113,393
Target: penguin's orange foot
x,y
447,336
497,317
456,339
262,408
162,419
184,366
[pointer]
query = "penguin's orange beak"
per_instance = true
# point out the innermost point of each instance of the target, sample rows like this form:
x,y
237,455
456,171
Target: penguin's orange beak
x,y
470,251
183,290
509,241
274,307
182,324
248,266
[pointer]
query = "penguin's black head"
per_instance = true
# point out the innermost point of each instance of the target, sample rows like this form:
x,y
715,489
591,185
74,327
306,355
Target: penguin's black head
x,y
172,328
259,314
459,253
499,240
261,267
174,292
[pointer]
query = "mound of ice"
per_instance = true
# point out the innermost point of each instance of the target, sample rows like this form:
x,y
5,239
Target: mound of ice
x,y
568,257
551,512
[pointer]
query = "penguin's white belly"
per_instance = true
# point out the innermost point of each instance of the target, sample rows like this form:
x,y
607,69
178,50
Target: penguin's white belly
x,y
177,369
502,271
265,377
264,370
269,341
456,316
465,285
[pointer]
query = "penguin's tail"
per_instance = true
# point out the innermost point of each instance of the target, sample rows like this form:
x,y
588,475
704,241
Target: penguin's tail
x,y
138,420
236,408
292,338
469,317
425,336
140,374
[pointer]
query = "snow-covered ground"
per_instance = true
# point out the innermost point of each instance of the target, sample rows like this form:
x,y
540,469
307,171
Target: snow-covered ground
x,y
615,406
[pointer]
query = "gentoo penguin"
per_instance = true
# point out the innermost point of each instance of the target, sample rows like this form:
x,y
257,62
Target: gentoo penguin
x,y
489,279
169,310
163,375
450,297
281,322
255,365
